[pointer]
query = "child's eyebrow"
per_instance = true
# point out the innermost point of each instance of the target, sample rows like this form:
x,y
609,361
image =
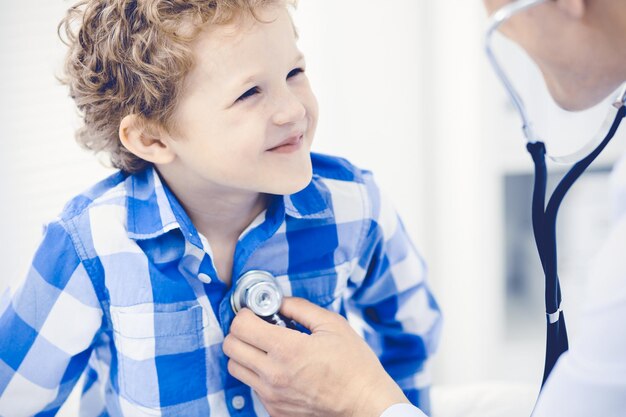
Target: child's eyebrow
x,y
251,78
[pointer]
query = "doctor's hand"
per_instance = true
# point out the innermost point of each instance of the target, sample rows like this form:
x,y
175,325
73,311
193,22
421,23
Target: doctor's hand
x,y
331,373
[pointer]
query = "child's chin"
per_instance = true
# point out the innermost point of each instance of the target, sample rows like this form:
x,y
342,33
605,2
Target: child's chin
x,y
293,184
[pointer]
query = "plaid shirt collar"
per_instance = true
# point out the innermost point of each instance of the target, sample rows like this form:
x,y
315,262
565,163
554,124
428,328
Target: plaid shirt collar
x,y
154,210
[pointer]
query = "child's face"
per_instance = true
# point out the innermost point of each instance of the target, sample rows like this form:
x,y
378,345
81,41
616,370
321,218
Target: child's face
x,y
247,115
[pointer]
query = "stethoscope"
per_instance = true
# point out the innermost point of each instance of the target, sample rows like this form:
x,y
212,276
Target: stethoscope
x,y
259,291
544,217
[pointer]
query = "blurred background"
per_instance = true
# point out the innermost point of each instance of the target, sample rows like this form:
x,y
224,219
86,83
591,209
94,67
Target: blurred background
x,y
404,90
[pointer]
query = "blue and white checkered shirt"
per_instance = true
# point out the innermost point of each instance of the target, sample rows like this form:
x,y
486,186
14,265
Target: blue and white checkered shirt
x,y
123,291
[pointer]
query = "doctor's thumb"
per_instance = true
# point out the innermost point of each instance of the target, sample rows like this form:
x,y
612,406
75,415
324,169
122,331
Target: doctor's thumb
x,y
309,315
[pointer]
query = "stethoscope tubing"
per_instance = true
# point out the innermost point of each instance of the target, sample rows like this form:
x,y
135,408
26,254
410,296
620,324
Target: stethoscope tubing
x,y
544,216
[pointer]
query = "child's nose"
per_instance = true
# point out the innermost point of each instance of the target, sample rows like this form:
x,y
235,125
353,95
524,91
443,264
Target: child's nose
x,y
289,108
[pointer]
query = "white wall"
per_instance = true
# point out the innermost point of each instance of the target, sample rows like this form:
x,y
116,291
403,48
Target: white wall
x,y
40,164
464,196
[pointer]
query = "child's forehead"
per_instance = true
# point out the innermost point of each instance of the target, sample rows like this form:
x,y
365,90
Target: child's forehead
x,y
231,52
243,26
246,41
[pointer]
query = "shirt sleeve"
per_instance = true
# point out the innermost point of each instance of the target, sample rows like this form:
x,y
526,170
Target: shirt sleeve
x,y
590,378
403,410
46,329
392,304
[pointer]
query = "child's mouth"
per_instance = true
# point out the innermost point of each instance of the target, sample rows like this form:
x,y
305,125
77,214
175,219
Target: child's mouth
x,y
292,144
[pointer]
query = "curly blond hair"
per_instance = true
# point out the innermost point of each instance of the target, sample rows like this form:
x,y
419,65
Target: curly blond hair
x,y
131,57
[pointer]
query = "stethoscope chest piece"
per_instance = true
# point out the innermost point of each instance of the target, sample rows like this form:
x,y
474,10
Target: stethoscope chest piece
x,y
258,291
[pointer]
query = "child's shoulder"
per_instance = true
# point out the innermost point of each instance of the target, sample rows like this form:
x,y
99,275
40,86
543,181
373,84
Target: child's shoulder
x,y
110,189
348,186
337,168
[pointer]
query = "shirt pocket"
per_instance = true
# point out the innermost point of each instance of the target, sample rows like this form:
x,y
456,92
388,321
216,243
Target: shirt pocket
x,y
320,287
147,342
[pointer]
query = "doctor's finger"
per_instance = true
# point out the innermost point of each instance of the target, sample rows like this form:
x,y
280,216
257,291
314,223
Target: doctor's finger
x,y
244,374
245,354
258,333
308,314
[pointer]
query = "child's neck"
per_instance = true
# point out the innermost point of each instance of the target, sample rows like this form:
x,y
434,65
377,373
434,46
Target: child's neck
x,y
220,215
222,222
223,217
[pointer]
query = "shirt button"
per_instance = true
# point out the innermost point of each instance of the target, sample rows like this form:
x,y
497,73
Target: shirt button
x,y
238,402
204,278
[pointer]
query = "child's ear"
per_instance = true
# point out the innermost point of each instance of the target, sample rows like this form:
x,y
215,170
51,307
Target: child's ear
x,y
143,141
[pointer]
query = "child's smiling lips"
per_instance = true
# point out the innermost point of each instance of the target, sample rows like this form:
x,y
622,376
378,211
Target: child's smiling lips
x,y
291,144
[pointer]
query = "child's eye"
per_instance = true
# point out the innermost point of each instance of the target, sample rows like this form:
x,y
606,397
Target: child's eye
x,y
249,93
295,72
